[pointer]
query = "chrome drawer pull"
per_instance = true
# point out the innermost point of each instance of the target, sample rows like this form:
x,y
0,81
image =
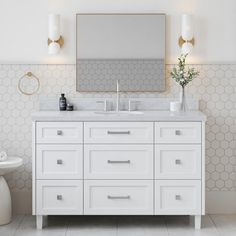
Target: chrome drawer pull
x,y
118,162
177,162
177,132
177,197
118,197
59,162
59,132
59,197
118,132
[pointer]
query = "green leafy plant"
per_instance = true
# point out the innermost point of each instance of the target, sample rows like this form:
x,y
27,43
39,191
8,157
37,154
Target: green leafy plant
x,y
182,75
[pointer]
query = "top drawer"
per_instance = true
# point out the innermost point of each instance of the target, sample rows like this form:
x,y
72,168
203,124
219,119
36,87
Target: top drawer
x,y
118,132
178,132
59,132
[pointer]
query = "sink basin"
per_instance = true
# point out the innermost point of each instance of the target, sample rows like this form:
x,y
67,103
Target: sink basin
x,y
9,165
119,112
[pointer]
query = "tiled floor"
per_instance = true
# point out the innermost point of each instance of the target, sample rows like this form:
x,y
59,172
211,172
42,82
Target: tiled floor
x,y
213,225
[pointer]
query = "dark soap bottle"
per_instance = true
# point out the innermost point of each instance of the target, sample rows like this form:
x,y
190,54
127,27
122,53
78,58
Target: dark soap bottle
x,y
62,102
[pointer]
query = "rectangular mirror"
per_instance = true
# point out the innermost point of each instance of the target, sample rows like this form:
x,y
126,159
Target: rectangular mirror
x,y
129,48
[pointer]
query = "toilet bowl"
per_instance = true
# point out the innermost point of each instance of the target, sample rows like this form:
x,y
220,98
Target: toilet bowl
x,y
5,196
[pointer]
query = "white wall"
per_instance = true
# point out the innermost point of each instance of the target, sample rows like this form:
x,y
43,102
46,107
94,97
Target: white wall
x,y
23,26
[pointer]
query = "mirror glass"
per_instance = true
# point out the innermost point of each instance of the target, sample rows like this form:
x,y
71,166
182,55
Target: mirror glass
x,y
129,48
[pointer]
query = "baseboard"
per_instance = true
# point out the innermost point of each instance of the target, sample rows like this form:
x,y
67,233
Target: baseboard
x,y
221,202
217,202
22,202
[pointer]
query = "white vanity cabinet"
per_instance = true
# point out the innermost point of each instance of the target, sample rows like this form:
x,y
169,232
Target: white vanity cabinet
x,y
118,168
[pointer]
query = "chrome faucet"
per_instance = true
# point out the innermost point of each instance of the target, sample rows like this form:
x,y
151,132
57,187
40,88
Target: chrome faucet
x,y
117,96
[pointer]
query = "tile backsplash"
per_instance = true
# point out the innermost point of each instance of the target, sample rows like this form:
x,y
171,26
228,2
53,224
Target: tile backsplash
x,y
215,88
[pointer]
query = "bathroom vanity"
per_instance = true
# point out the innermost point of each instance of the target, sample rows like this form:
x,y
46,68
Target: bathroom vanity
x,y
91,163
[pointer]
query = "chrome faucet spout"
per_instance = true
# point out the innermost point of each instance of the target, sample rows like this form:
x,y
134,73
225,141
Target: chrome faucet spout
x,y
117,96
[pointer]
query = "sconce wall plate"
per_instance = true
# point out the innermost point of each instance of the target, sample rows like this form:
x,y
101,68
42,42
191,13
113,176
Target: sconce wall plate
x,y
182,41
60,41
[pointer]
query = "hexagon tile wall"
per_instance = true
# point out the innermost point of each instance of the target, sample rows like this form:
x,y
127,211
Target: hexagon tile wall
x,y
216,89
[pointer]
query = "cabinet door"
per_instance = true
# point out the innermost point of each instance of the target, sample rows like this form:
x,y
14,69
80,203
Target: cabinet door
x,y
178,132
178,161
59,132
59,161
59,197
118,132
178,197
118,162
118,197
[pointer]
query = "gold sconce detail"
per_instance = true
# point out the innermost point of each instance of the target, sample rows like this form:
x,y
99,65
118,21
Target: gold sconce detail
x,y
182,41
60,41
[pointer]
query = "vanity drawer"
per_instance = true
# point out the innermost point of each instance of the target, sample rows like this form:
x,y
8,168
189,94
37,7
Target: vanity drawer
x,y
118,161
118,197
178,161
59,197
59,132
118,132
59,161
178,132
177,197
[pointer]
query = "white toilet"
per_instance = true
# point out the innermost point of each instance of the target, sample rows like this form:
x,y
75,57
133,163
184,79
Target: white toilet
x,y
5,197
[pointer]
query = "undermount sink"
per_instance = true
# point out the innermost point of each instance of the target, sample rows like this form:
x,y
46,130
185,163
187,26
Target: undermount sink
x,y
119,112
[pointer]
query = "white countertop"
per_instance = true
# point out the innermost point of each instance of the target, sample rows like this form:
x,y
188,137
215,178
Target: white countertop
x,y
93,116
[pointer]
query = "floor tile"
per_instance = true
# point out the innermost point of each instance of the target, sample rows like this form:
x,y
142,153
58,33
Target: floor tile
x,y
141,226
56,227
181,226
225,224
92,226
10,229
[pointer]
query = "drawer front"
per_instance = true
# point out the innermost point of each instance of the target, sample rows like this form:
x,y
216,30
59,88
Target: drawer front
x,y
178,161
59,132
177,197
118,197
59,197
118,161
118,132
59,161
178,132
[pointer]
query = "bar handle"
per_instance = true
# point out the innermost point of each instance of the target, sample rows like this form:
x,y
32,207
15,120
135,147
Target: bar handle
x,y
118,162
118,197
118,132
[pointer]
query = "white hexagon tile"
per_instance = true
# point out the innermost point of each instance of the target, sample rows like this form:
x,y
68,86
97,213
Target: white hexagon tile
x,y
215,88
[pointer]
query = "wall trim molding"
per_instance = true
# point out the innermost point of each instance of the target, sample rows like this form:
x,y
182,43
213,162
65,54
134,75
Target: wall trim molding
x,y
221,202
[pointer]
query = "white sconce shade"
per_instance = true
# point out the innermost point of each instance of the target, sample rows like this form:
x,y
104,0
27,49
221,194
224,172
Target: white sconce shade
x,y
187,27
53,48
186,48
54,27
186,40
55,40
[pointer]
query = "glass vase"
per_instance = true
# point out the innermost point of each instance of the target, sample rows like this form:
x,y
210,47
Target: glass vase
x,y
183,107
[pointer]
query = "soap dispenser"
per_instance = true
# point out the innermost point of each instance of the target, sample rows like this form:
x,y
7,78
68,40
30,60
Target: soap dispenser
x,y
62,102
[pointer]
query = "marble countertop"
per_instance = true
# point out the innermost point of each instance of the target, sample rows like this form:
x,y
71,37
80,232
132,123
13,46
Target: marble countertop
x,y
122,116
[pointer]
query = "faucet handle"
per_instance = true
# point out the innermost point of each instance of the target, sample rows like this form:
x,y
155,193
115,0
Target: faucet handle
x,y
133,102
104,102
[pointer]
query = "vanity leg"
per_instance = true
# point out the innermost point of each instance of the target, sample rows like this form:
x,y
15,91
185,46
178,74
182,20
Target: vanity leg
x,y
197,221
41,221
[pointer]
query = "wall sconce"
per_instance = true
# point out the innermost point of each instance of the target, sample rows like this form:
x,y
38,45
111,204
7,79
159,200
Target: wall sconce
x,y
186,40
55,40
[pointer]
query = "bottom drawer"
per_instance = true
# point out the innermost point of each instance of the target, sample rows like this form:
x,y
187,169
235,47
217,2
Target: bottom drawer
x,y
59,197
177,197
118,197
